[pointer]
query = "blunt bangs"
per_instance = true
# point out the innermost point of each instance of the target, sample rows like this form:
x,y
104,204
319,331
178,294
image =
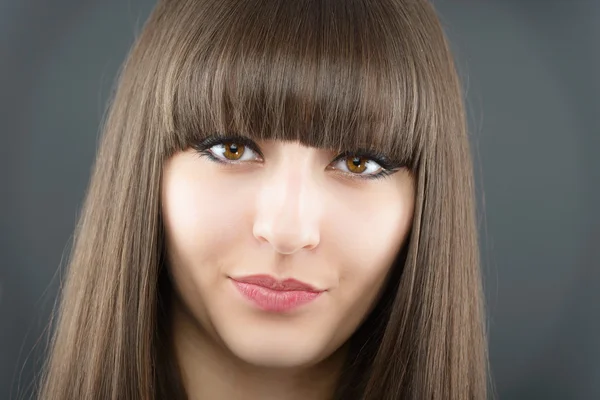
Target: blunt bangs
x,y
333,78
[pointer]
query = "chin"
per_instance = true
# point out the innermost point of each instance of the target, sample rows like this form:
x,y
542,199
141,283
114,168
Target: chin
x,y
271,351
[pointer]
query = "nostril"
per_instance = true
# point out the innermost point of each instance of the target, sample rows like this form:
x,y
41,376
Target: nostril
x,y
262,239
260,233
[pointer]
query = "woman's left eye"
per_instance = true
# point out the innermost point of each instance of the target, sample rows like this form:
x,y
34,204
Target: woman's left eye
x,y
357,165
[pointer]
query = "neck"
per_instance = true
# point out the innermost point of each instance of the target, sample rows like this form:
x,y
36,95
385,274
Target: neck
x,y
210,371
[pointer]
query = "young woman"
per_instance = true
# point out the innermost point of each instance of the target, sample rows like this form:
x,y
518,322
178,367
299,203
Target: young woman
x,y
281,208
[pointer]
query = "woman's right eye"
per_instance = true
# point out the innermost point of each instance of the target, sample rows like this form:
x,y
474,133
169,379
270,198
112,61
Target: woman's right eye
x,y
231,151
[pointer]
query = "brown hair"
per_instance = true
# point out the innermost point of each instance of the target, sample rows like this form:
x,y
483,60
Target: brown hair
x,y
331,74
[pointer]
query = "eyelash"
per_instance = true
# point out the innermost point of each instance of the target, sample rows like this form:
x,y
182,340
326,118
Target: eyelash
x,y
388,167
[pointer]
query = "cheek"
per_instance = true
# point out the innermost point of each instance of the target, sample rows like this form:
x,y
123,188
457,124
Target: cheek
x,y
201,212
202,222
379,232
184,211
370,237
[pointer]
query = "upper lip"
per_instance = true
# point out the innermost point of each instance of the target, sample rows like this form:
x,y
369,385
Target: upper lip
x,y
273,283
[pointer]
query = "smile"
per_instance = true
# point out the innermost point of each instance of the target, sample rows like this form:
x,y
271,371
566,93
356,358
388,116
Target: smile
x,y
269,294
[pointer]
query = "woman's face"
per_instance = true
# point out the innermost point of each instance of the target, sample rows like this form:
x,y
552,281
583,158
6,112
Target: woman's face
x,y
279,250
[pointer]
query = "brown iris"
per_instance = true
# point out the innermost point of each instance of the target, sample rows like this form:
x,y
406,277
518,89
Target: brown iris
x,y
233,151
356,164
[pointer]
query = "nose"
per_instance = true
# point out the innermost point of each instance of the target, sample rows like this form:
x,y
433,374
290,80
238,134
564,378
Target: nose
x,y
288,211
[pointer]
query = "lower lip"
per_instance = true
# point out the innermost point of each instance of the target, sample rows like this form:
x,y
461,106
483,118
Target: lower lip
x,y
275,300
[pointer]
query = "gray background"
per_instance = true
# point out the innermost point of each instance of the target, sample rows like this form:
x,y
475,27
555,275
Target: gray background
x,y
531,73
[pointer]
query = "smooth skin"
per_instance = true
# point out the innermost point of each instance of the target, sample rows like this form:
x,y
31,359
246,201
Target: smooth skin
x,y
290,211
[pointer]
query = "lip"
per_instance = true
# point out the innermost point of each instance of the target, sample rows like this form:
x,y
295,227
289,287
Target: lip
x,y
271,294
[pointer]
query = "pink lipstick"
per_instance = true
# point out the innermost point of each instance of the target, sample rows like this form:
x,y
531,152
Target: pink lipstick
x,y
270,294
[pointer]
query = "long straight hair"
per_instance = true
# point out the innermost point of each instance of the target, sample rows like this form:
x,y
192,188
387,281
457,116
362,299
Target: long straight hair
x,y
327,73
